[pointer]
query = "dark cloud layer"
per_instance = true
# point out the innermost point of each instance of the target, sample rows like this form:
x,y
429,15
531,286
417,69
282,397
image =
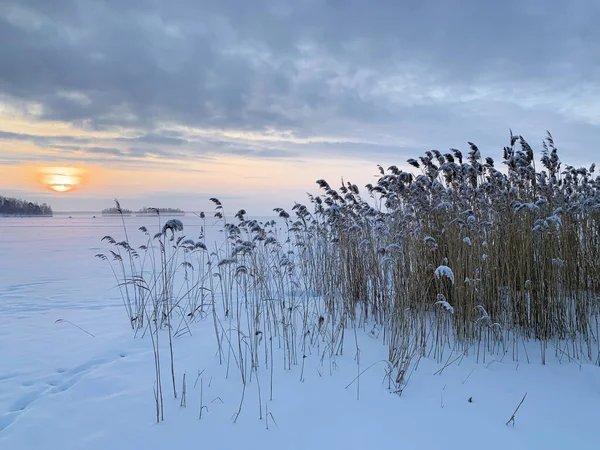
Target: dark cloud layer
x,y
353,76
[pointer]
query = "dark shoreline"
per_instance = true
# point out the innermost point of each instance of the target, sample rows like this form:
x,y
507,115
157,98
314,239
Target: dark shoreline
x,y
27,216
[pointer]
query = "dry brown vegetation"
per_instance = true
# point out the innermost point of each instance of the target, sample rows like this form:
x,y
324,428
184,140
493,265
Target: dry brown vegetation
x,y
457,258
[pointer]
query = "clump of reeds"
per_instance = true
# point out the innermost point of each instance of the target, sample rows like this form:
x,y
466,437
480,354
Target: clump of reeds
x,y
456,258
513,255
159,288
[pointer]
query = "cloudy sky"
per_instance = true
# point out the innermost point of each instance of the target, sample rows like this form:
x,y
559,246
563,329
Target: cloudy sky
x,y
170,102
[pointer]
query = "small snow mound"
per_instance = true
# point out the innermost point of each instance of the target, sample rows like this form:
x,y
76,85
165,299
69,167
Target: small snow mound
x,y
444,271
430,240
555,220
444,205
444,303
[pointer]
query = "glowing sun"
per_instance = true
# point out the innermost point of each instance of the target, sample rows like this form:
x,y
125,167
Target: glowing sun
x,y
61,179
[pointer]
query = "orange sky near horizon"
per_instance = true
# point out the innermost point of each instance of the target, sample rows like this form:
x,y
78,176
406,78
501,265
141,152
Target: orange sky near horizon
x,y
180,181
254,184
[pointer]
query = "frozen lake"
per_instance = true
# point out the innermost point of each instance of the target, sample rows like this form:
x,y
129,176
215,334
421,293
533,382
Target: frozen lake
x,y
62,388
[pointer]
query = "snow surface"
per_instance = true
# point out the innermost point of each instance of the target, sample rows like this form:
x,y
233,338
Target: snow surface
x,y
61,388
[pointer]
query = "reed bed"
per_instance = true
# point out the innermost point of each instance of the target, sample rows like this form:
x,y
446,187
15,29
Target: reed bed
x,y
453,258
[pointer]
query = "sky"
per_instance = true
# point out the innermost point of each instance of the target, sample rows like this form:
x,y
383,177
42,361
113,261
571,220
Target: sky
x,y
168,103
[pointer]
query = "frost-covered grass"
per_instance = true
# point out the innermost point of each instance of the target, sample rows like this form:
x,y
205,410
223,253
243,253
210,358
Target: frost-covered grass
x,y
61,387
513,255
461,259
468,293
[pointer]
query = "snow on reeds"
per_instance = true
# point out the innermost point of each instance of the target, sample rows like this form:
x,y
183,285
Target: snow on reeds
x,y
457,258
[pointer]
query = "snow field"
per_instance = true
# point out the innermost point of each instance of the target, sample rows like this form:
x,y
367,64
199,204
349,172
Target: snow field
x,y
62,388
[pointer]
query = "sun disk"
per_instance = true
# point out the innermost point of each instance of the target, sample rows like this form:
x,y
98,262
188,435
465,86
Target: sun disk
x,y
61,179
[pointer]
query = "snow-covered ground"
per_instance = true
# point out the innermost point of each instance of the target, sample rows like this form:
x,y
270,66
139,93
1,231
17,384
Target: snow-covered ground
x,y
63,388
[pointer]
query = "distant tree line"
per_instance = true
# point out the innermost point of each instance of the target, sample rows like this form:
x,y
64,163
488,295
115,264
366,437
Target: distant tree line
x,y
147,210
17,207
114,210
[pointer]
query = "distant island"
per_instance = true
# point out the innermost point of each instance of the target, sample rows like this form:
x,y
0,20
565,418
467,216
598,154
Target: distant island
x,y
142,212
152,211
18,207
116,212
